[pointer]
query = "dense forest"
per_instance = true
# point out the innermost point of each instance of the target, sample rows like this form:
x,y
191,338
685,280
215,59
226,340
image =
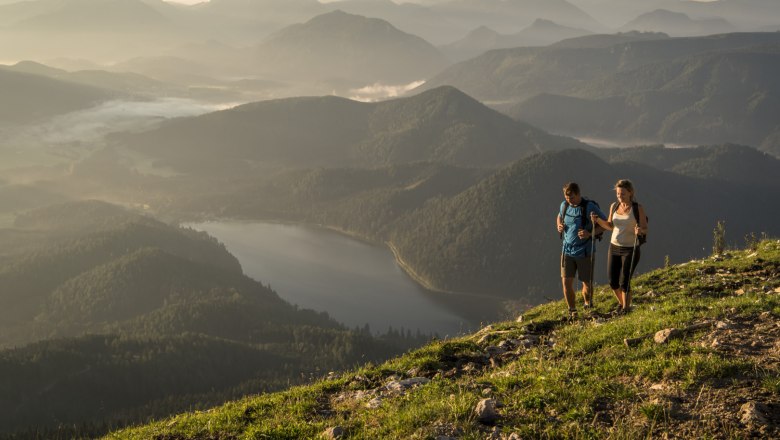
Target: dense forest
x,y
144,319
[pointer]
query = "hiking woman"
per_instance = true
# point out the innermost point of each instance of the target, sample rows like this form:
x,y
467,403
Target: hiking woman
x,y
628,223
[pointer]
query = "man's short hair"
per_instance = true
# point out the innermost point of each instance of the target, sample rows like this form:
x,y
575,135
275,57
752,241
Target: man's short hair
x,y
571,188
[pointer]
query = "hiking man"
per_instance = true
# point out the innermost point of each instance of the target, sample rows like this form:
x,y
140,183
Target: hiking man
x,y
577,230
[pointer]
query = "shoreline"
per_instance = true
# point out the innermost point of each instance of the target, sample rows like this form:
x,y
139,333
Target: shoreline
x,y
405,267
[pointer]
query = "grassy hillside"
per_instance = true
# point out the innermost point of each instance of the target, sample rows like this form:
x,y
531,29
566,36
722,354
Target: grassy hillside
x,y
551,378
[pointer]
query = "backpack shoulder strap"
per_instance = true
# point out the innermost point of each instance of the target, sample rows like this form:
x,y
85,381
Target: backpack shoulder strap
x,y
635,208
584,212
564,208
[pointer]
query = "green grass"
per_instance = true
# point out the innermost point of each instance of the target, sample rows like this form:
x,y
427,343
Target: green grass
x,y
558,391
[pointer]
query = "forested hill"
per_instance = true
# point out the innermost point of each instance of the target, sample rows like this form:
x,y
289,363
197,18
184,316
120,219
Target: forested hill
x,y
724,95
695,358
29,98
513,75
483,231
442,125
491,237
144,319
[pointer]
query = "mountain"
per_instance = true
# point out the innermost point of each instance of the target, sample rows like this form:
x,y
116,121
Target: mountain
x,y
28,97
508,16
708,324
735,164
720,96
746,15
607,40
513,75
112,317
480,231
540,33
346,47
133,16
442,125
677,24
122,82
489,238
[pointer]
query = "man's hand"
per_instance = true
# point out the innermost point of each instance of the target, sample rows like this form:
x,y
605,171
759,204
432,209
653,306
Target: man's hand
x,y
560,227
583,234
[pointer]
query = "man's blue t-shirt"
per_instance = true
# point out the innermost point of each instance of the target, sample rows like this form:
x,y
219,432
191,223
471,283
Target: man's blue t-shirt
x,y
572,223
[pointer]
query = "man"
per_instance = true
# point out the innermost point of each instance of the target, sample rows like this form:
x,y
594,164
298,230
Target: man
x,y
576,229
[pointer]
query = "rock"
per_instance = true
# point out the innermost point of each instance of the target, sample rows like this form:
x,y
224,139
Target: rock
x,y
777,289
374,403
663,336
753,413
723,325
658,387
487,391
765,316
486,411
495,351
739,292
403,385
334,432
514,436
519,319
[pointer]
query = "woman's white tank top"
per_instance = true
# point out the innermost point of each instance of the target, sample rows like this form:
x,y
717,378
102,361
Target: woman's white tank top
x,y
623,232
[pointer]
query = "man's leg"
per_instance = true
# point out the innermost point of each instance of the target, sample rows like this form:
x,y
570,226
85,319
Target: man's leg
x,y
585,270
587,293
568,292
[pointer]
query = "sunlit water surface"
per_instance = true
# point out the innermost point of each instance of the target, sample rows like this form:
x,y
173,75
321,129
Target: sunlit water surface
x,y
354,282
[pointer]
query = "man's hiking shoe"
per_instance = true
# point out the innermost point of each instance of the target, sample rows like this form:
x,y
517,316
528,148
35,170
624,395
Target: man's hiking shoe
x,y
572,314
588,307
619,311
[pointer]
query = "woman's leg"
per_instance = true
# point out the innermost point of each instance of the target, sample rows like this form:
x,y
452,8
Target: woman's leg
x,y
614,263
627,273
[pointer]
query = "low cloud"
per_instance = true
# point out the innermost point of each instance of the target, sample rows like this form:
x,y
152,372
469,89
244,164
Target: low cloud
x,y
379,91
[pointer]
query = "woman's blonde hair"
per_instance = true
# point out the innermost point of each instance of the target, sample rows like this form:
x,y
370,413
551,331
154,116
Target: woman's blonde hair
x,y
627,185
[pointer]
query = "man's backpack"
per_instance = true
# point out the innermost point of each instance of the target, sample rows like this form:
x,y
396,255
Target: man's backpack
x,y
583,214
641,239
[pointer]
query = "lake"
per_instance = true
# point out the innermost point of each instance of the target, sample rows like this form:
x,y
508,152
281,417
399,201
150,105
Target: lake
x,y
353,281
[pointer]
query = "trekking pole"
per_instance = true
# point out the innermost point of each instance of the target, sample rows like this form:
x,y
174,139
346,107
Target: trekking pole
x,y
592,263
631,268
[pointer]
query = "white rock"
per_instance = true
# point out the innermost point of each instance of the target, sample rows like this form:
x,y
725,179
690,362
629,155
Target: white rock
x,y
486,411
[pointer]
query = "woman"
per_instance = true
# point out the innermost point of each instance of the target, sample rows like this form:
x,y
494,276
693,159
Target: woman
x,y
624,245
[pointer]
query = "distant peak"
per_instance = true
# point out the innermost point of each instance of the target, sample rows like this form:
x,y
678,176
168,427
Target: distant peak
x,y
543,22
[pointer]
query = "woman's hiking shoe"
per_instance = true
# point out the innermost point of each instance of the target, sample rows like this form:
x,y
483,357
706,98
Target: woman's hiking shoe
x,y
572,314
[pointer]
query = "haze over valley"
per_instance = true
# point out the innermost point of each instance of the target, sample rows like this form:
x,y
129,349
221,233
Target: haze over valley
x,y
221,198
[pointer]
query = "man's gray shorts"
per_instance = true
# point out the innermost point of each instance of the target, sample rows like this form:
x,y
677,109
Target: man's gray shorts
x,y
580,265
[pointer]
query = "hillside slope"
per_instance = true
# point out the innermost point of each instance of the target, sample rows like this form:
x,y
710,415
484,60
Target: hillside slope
x,y
443,125
721,96
112,317
543,376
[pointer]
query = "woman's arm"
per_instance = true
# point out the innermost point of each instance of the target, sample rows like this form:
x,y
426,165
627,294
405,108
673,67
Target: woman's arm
x,y
606,224
642,221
